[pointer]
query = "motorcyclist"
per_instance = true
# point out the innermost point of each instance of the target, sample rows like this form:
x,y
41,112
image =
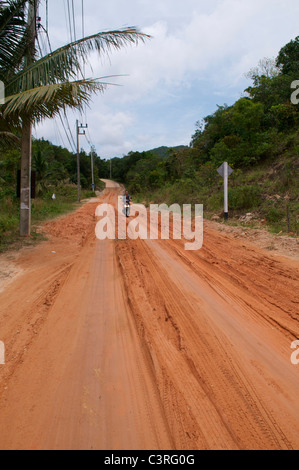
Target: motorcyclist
x,y
127,202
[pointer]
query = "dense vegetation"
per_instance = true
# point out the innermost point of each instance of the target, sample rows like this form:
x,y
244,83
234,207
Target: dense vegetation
x,y
56,173
258,136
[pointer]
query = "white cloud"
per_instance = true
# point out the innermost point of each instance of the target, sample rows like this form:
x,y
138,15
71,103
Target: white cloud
x,y
199,53
110,129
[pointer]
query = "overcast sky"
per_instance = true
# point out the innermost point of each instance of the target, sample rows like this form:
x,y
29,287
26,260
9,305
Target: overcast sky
x,y
196,60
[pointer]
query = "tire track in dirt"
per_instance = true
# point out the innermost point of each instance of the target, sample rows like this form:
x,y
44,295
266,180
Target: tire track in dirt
x,y
229,285
200,348
141,345
236,270
276,297
28,327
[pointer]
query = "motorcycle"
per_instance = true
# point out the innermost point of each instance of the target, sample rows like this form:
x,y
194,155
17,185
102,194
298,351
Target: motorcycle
x,y
127,208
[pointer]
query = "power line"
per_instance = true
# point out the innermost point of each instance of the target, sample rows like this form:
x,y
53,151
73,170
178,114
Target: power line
x,y
83,25
69,135
69,9
65,17
60,135
83,70
66,127
47,16
55,131
69,17
39,47
88,140
40,28
83,35
47,35
74,21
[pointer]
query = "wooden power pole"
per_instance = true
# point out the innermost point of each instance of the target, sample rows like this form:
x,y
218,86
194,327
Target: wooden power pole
x,y
78,156
92,168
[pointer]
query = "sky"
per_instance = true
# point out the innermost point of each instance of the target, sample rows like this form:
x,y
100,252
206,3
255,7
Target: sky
x,y
196,59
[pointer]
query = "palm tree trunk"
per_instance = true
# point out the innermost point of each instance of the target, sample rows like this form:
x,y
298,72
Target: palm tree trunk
x,y
25,209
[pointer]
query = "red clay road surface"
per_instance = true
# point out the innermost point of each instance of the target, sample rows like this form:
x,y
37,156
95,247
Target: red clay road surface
x,y
127,344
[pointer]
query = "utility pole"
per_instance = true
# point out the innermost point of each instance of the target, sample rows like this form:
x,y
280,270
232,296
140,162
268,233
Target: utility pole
x,y
110,169
78,156
92,168
26,142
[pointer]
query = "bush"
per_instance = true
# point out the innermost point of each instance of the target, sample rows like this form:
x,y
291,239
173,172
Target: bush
x,y
67,191
7,223
273,215
88,194
245,197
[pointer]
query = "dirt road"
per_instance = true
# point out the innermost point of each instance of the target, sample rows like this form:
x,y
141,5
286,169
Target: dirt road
x,y
142,345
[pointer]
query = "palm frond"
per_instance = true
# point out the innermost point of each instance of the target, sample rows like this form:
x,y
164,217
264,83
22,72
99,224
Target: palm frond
x,y
8,134
13,36
65,63
8,140
46,101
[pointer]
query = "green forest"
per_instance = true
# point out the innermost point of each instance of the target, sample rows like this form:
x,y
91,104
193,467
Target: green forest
x,y
55,171
258,136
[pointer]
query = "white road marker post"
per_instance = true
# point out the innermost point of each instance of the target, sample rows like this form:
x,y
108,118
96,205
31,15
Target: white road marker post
x,y
225,191
225,171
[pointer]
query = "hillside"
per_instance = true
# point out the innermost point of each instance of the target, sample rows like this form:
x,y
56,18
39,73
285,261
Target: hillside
x,y
258,136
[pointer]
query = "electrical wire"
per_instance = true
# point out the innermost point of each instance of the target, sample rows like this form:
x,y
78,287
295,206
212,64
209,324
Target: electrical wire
x,y
83,73
59,134
83,35
74,21
65,16
83,25
69,134
39,47
69,9
69,18
43,50
47,16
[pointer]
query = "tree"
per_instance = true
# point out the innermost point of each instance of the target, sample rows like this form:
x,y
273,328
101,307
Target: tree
x,y
39,88
288,58
247,117
266,67
270,91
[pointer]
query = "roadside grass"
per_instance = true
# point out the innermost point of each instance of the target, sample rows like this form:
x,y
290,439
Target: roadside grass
x,y
269,192
43,208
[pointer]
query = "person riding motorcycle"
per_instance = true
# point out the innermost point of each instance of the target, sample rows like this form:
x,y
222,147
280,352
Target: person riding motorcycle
x,y
127,203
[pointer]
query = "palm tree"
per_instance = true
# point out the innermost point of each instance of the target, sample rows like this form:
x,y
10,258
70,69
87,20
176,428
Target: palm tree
x,y
40,88
12,46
